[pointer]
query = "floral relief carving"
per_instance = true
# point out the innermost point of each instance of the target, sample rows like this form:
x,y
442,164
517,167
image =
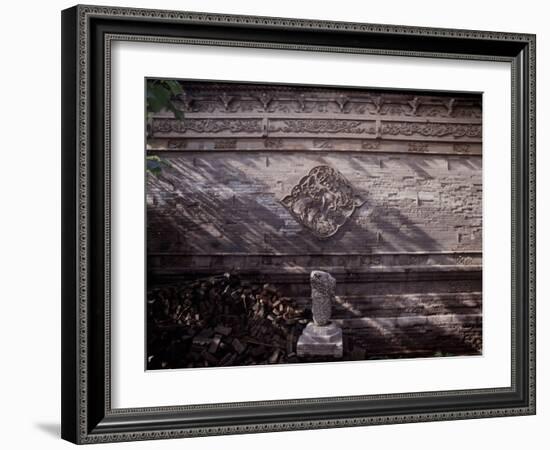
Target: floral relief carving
x,y
322,201
207,125
431,129
432,111
324,126
392,109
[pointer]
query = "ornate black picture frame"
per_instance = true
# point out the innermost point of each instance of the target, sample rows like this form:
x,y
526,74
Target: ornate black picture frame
x,y
87,35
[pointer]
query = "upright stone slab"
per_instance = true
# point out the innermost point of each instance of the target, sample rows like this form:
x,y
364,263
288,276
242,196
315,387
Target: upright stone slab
x,y
321,337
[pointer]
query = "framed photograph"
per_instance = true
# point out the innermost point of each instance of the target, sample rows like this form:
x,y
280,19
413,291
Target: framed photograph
x,y
283,224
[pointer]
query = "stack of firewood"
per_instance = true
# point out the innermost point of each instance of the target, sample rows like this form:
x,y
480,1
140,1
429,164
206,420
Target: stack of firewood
x,y
221,321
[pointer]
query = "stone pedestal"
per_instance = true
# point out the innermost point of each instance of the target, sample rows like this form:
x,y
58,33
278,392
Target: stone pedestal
x,y
321,340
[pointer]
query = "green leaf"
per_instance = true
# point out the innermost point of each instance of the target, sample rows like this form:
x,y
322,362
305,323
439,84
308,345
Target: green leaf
x,y
159,98
154,164
177,113
174,86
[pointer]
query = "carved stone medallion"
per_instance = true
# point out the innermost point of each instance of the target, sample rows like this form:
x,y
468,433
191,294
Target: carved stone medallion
x,y
322,201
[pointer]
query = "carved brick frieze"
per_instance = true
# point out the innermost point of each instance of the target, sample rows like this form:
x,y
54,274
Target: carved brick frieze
x,y
337,105
177,145
370,145
323,126
225,144
302,142
418,147
462,148
235,98
168,126
271,112
273,143
455,130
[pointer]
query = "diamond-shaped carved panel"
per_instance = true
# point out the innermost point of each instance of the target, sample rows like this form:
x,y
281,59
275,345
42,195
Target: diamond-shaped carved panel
x,y
322,201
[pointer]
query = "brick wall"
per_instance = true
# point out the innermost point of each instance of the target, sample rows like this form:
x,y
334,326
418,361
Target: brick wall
x,y
231,203
411,249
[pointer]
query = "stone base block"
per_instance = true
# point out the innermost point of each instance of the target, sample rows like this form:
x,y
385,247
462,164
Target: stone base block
x,y
321,341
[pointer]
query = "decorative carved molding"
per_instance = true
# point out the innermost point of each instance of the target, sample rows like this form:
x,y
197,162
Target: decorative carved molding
x,y
324,126
233,98
377,102
301,99
370,145
418,146
177,145
463,112
322,201
226,100
265,99
273,143
326,144
225,144
342,143
414,104
431,129
342,101
461,148
207,125
450,105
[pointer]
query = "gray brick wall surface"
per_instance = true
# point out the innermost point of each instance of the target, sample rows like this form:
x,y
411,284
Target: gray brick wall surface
x,y
413,249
